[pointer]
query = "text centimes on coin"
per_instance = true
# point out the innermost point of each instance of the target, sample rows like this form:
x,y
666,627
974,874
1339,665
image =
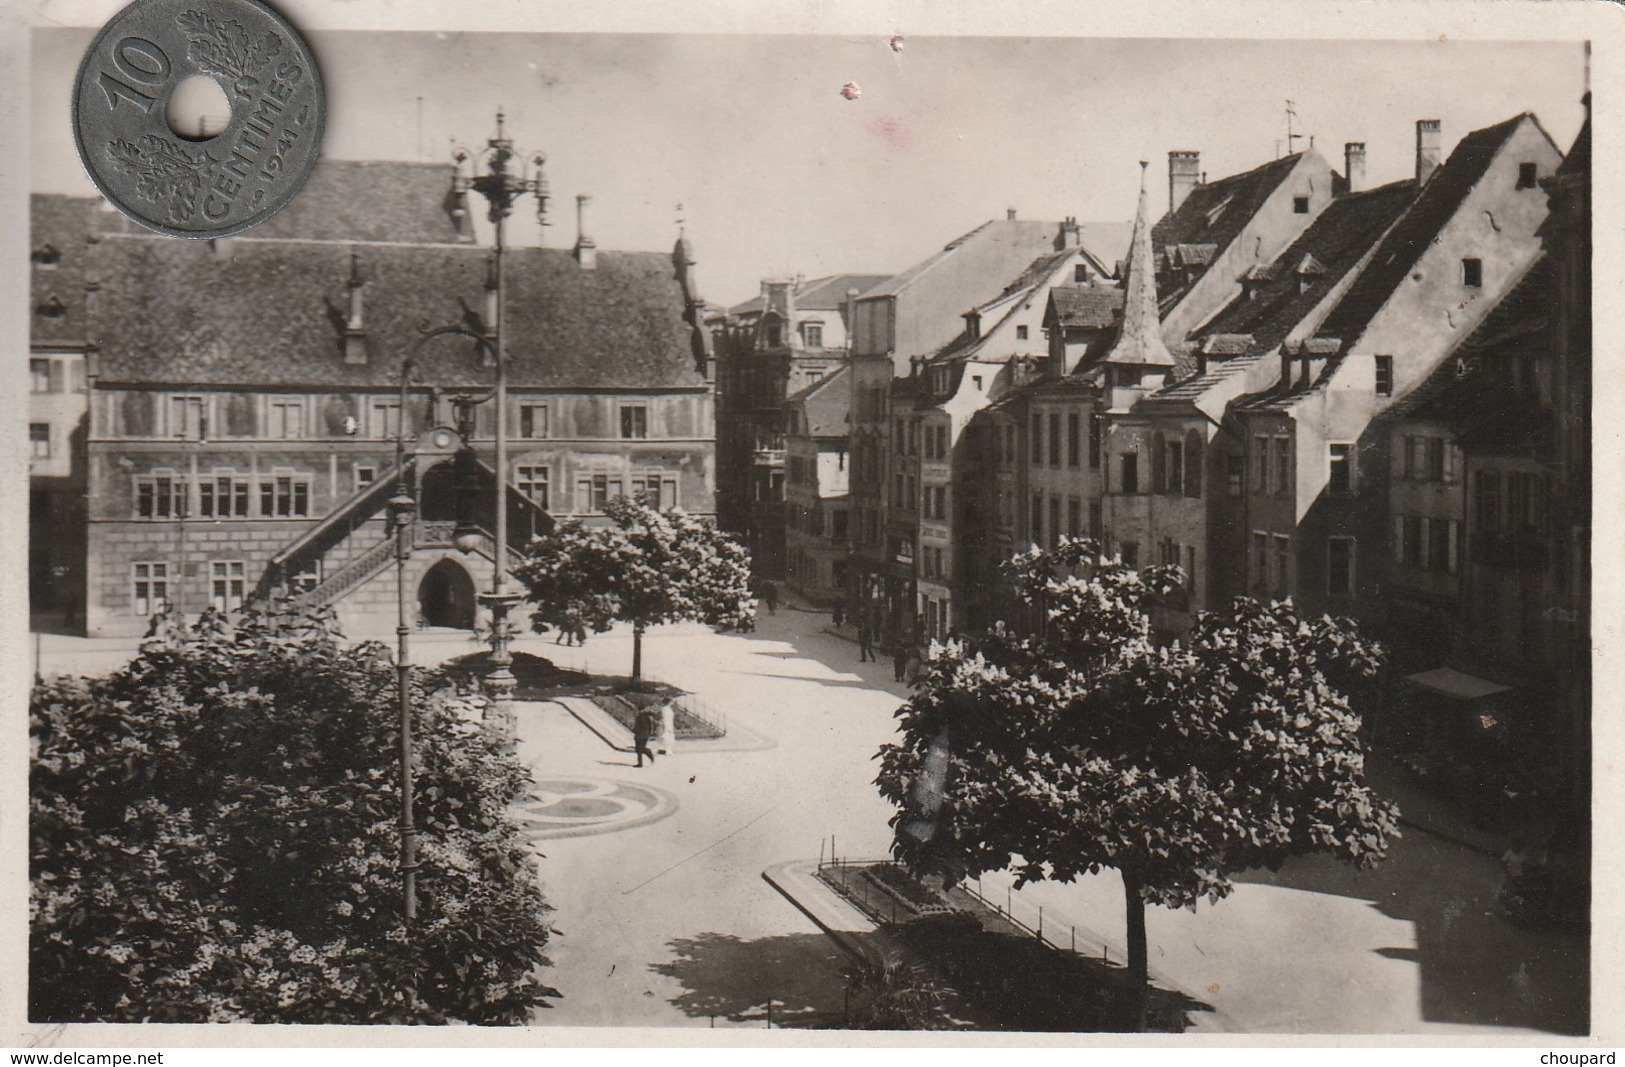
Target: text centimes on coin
x,y
260,144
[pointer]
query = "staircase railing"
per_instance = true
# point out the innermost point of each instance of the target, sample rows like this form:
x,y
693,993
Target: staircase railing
x,y
348,576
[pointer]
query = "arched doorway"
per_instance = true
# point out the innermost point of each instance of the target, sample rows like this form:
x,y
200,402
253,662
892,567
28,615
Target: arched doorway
x,y
446,596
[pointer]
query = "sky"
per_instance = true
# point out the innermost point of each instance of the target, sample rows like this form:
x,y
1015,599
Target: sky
x,y
779,174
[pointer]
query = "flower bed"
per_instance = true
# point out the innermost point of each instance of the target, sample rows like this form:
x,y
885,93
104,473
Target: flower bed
x,y
623,707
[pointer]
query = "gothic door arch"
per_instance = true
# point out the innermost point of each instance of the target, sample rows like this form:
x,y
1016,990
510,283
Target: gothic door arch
x,y
446,596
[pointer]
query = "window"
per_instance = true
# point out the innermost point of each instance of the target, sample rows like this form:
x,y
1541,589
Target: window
x,y
1035,531
1234,471
1097,523
284,496
1173,469
1283,466
1021,333
386,418
532,421
976,380
159,496
1074,443
186,420
1130,551
226,585
1438,544
1437,461
1130,464
1283,564
1010,443
634,420
1472,273
1074,517
1489,501
287,417
1412,453
1340,566
1452,546
596,490
838,525
39,440
39,375
1410,540
1080,273
223,496
1038,440
659,488
1341,476
1095,429
775,335
1055,439
812,334
1526,502
1527,176
1300,205
1054,521
1385,375
1261,463
1261,560
532,481
364,476
149,591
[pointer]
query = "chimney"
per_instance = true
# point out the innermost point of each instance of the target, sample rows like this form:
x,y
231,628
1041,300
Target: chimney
x,y
1184,174
586,252
1354,165
1427,148
1069,237
1286,369
355,335
1009,214
849,315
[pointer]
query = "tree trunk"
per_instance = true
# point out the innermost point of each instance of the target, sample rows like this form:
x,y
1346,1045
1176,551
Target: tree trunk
x,y
1134,905
637,654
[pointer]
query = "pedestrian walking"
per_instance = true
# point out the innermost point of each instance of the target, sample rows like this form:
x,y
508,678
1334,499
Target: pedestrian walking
x,y
899,660
840,613
866,642
643,728
770,593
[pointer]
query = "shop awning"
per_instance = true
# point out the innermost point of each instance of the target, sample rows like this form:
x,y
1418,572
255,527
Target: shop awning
x,y
1458,685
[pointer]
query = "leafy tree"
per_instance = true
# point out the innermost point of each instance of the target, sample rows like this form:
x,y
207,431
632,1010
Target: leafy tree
x,y
1086,746
213,838
650,567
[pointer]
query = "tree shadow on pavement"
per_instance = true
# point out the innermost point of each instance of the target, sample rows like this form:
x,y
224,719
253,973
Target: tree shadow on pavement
x,y
1476,967
729,978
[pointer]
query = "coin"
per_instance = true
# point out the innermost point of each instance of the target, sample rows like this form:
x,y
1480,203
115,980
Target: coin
x,y
176,184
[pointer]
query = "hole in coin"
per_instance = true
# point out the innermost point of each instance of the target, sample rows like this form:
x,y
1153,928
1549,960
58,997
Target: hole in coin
x,y
198,109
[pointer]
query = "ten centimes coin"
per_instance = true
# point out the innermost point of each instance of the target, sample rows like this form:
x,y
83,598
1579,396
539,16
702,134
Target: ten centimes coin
x,y
198,188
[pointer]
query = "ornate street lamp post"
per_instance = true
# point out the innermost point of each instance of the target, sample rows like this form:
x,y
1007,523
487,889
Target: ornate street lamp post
x,y
402,509
488,174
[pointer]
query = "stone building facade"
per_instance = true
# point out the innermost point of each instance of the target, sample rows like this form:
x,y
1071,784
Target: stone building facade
x,y
245,400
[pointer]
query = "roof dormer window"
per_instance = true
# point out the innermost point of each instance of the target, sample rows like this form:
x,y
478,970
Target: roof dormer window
x,y
52,308
46,257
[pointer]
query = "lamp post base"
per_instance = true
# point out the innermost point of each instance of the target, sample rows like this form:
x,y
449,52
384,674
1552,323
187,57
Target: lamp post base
x,y
500,682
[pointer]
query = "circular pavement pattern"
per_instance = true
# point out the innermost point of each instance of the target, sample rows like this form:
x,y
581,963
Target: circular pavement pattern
x,y
577,807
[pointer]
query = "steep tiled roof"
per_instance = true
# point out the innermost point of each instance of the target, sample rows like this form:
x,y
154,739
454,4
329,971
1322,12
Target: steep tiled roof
x,y
371,200
60,226
818,294
1084,306
258,313
1412,234
1017,233
1333,244
1213,214
826,405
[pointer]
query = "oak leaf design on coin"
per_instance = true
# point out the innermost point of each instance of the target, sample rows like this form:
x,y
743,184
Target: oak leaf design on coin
x,y
164,172
222,48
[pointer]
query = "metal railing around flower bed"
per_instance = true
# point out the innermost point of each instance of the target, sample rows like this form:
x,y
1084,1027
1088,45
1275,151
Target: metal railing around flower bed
x,y
882,901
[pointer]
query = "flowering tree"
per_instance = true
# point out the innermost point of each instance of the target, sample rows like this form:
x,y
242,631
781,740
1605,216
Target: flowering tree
x,y
1086,746
213,838
650,567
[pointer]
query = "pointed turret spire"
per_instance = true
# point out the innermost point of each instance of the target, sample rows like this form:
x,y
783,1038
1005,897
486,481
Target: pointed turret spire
x,y
1141,338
